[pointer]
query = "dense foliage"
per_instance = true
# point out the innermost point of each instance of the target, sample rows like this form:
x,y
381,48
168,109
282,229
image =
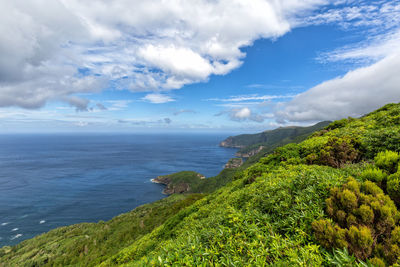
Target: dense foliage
x,y
88,244
330,200
272,138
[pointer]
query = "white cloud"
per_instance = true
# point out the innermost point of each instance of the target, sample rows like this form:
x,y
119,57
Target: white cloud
x,y
370,50
117,105
243,113
376,80
252,97
157,98
147,46
356,93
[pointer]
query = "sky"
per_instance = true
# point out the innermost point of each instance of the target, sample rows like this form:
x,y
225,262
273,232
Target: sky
x,y
194,66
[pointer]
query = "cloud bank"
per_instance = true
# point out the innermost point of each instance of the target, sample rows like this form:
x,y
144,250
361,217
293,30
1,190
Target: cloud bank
x,y
53,50
358,92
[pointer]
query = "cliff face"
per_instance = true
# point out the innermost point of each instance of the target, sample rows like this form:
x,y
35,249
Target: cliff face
x,y
281,136
178,183
234,163
250,153
230,142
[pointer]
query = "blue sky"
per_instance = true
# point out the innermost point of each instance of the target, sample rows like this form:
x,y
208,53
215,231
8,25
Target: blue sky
x,y
205,66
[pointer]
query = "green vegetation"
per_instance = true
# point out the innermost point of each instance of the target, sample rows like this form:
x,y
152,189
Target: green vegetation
x,y
272,139
331,200
180,182
88,244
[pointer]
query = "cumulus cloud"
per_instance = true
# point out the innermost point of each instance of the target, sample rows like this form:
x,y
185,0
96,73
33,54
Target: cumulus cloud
x,y
146,46
244,114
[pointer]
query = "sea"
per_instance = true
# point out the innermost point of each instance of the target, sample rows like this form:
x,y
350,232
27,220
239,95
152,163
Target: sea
x,y
53,180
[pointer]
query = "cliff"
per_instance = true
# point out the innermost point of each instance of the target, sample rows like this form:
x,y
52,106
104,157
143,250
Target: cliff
x,y
234,163
280,136
180,182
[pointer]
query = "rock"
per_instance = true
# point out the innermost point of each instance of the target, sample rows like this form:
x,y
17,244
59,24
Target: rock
x,y
250,153
234,163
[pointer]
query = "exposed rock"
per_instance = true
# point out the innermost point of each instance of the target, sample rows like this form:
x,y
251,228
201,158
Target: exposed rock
x,y
250,153
229,142
234,163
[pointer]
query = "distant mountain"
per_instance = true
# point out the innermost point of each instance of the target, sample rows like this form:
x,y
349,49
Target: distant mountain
x,y
251,144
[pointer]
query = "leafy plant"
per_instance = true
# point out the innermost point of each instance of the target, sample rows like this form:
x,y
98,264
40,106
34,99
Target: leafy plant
x,y
364,222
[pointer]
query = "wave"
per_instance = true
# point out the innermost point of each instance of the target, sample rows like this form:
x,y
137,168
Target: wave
x,y
16,236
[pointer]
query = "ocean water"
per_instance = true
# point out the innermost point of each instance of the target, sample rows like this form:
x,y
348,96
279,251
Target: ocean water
x,y
47,181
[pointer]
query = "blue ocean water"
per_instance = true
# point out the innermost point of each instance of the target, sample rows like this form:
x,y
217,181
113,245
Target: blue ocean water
x,y
47,181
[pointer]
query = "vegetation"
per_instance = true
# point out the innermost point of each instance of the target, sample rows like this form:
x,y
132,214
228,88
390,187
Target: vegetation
x,y
272,139
180,182
331,200
88,244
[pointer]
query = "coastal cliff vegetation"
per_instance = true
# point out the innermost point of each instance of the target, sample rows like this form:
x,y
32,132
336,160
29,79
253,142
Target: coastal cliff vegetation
x,y
330,200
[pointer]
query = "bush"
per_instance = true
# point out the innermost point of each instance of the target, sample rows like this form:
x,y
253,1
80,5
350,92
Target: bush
x,y
337,152
374,174
393,187
387,161
364,222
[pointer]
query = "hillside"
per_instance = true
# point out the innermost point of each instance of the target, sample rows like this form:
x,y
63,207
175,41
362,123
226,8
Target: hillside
x,y
180,182
251,144
329,200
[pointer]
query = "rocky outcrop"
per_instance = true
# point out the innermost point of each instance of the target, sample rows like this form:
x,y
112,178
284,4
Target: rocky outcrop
x,y
178,183
234,163
249,153
229,142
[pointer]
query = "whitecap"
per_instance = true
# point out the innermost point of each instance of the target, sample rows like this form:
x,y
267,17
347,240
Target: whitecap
x,y
3,224
24,216
16,236
15,229
42,221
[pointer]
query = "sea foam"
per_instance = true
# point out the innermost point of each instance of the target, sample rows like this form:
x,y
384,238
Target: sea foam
x,y
16,236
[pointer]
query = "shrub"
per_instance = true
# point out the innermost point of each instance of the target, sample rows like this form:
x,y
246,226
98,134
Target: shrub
x,y
387,161
374,174
393,187
377,262
381,139
337,152
364,221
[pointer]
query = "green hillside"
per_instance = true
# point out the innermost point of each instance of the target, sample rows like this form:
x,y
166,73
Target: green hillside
x,y
330,200
272,138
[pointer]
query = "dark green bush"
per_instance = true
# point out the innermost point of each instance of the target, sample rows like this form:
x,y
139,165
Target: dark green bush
x,y
364,222
337,152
